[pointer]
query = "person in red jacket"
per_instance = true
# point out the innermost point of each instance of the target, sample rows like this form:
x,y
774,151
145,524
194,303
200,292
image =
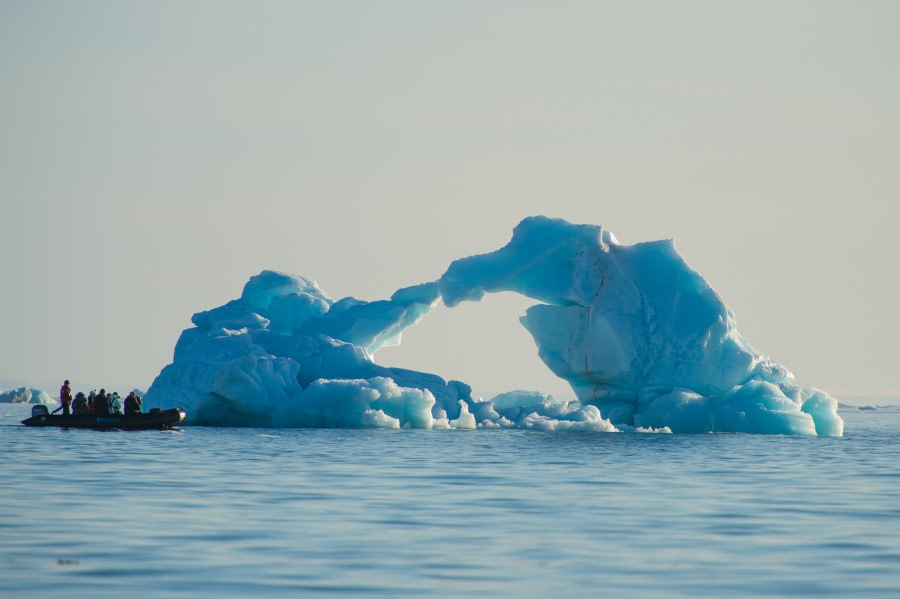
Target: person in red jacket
x,y
65,397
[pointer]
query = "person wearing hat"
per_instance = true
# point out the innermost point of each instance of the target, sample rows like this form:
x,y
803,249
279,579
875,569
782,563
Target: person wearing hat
x,y
80,406
132,404
65,397
101,403
115,406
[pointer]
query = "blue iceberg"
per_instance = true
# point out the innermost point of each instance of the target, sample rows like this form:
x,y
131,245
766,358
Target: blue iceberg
x,y
645,343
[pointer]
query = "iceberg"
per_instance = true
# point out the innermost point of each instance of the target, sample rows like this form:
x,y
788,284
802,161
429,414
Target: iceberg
x,y
26,395
643,340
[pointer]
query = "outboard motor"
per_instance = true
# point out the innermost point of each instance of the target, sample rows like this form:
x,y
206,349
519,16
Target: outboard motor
x,y
39,410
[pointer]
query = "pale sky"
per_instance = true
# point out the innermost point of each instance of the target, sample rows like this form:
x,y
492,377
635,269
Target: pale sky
x,y
155,155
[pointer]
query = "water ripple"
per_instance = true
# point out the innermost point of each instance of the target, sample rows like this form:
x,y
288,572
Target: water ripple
x,y
251,512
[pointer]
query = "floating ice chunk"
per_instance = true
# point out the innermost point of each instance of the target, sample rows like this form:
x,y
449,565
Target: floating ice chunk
x,y
664,429
26,395
584,419
823,410
466,420
441,424
378,419
519,399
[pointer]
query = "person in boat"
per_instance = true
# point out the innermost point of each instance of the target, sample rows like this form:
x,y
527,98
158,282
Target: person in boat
x,y
115,406
90,400
101,403
65,397
132,404
80,405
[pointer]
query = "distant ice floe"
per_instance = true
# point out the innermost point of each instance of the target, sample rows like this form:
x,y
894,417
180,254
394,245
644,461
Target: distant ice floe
x,y
860,408
645,343
26,395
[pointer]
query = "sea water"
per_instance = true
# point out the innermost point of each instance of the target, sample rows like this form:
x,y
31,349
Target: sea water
x,y
230,512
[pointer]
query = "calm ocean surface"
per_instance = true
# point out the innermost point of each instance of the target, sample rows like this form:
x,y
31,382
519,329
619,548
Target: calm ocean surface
x,y
218,512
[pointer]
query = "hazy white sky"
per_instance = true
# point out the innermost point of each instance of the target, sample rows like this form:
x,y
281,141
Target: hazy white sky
x,y
154,155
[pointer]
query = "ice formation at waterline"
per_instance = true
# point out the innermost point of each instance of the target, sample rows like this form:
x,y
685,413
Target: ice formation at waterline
x,y
645,343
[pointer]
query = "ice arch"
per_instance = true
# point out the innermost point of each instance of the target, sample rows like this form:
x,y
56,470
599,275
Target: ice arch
x,y
642,339
638,333
482,343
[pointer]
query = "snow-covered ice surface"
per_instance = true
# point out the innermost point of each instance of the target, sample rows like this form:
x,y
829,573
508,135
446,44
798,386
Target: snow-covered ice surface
x,y
644,341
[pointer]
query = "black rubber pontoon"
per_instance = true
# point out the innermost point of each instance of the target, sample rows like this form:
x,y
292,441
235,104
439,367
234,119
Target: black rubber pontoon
x,y
154,419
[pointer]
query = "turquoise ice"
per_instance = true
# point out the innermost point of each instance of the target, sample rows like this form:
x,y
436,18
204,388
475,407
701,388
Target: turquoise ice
x,y
644,341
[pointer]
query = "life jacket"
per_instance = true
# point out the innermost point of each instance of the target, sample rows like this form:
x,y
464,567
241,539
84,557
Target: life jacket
x,y
65,395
